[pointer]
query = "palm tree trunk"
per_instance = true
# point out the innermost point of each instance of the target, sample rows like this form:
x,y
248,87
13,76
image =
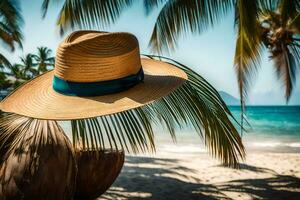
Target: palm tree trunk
x,y
97,170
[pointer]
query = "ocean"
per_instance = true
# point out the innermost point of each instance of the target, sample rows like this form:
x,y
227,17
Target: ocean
x,y
270,128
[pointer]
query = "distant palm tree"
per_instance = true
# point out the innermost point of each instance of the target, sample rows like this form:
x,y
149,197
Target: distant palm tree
x,y
10,27
28,67
4,62
17,74
16,71
44,59
261,24
4,83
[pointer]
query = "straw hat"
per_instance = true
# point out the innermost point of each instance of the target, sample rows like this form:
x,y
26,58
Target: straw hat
x,y
95,74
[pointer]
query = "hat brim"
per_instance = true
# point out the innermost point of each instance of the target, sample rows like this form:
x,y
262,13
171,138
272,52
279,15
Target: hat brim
x,y
37,99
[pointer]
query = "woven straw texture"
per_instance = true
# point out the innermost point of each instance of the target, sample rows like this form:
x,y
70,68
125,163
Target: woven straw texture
x,y
110,56
96,56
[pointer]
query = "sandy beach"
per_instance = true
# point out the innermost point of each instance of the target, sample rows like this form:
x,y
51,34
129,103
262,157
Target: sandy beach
x,y
171,175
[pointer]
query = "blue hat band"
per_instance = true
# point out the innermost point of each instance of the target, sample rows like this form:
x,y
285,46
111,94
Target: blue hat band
x,y
99,88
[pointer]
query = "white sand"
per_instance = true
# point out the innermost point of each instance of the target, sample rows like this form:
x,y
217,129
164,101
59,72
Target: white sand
x,y
174,175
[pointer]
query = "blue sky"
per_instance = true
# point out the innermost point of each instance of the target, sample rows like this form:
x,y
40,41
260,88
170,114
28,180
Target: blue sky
x,y
210,54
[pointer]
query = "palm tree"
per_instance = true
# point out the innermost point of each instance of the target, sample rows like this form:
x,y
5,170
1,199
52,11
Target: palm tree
x,y
16,72
44,59
4,62
280,34
28,67
261,24
4,83
10,27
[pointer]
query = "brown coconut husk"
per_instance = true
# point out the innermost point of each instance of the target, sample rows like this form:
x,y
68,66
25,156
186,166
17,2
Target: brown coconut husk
x,y
39,162
97,170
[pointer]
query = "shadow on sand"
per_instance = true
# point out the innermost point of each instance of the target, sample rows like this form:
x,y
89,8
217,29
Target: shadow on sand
x,y
163,179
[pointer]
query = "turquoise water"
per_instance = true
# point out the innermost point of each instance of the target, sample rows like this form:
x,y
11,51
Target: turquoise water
x,y
270,128
273,122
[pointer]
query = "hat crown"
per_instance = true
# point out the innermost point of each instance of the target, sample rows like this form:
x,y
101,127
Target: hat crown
x,y
92,56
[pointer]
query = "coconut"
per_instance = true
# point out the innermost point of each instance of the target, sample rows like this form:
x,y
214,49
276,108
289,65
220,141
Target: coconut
x,y
38,161
97,170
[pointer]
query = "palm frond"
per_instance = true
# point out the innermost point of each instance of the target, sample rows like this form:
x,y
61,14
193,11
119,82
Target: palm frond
x,y
294,23
271,5
199,104
6,37
295,51
248,46
286,64
246,61
130,130
4,83
180,17
280,36
246,17
45,7
90,13
4,62
11,22
195,103
150,5
43,59
288,9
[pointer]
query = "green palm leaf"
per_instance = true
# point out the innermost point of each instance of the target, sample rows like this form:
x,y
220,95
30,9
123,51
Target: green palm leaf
x,y
294,24
28,66
88,13
248,46
288,9
43,59
4,62
286,64
11,22
281,37
130,130
268,4
195,103
179,17
45,7
4,82
150,5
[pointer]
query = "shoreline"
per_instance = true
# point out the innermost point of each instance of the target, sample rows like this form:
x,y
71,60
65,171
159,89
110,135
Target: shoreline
x,y
250,147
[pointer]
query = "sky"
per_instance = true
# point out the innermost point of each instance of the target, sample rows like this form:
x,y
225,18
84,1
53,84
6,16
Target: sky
x,y
210,53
